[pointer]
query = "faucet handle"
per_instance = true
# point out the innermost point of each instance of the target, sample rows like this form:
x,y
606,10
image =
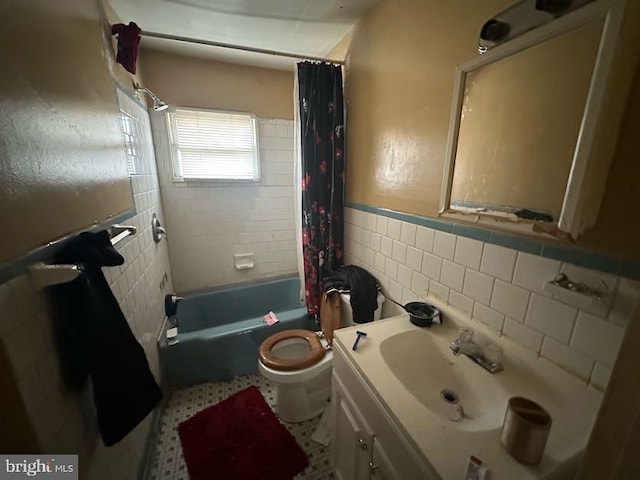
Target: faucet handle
x,y
465,335
492,353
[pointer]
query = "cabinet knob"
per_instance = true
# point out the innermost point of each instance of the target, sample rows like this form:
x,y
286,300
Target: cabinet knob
x,y
373,468
362,444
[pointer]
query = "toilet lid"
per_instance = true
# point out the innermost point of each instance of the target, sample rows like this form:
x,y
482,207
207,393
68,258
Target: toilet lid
x,y
315,354
330,315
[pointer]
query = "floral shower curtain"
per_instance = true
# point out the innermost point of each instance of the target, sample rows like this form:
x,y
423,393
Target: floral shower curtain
x,y
322,174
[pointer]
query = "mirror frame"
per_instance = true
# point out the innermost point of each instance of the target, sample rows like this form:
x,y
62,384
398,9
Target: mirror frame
x,y
574,217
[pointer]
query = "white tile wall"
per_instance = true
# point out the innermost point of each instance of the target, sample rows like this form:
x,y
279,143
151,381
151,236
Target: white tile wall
x,y
207,223
59,416
468,252
499,287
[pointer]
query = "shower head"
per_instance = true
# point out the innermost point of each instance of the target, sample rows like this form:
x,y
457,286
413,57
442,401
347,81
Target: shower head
x,y
158,105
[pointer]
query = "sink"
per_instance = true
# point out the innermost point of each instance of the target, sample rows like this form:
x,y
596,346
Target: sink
x,y
442,382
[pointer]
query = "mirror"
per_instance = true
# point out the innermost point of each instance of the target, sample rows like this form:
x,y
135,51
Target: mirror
x,y
520,119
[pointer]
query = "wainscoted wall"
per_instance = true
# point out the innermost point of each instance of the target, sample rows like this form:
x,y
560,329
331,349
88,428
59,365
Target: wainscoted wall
x,y
497,286
399,89
209,222
62,419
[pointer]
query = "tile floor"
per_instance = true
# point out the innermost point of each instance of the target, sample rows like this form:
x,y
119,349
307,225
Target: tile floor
x,y
167,462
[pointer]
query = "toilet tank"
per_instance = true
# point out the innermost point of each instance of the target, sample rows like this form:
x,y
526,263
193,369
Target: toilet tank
x,y
346,314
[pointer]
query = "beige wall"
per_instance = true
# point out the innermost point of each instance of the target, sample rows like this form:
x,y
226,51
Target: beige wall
x,y
196,82
62,164
399,91
341,49
62,168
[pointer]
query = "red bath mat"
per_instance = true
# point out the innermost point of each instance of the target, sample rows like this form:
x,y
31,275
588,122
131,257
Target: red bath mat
x,y
240,438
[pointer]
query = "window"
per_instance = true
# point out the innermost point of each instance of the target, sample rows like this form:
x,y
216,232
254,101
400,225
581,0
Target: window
x,y
129,127
210,144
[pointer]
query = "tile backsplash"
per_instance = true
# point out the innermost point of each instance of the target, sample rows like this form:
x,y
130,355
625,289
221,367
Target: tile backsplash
x,y
209,222
62,419
499,287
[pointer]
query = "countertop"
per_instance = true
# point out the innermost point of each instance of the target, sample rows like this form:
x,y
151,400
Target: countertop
x,y
445,446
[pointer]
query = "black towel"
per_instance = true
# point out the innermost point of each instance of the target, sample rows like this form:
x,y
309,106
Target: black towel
x,y
96,341
362,287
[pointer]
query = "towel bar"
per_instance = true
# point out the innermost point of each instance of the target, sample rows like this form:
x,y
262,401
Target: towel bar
x,y
44,275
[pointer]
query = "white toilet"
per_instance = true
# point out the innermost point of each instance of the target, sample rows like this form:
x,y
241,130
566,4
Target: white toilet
x,y
298,362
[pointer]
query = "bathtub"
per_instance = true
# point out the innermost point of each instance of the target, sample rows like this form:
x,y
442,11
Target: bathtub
x,y
220,331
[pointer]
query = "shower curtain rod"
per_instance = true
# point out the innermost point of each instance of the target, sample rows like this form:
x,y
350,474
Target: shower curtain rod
x,y
238,47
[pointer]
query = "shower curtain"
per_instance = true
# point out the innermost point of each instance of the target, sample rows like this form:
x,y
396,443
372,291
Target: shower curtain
x,y
321,174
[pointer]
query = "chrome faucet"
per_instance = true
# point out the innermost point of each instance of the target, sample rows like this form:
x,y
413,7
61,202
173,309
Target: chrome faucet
x,y
488,357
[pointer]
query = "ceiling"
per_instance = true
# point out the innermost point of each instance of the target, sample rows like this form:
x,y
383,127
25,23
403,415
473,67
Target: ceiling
x,y
305,27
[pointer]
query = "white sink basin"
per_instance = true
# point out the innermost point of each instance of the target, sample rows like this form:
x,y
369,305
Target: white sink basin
x,y
428,369
407,368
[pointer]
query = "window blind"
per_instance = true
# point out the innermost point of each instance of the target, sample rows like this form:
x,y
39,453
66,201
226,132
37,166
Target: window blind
x,y
214,145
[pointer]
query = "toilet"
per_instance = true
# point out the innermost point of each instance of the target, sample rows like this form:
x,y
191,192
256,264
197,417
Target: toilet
x,y
298,362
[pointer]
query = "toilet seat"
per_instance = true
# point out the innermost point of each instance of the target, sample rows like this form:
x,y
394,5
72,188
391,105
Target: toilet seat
x,y
315,354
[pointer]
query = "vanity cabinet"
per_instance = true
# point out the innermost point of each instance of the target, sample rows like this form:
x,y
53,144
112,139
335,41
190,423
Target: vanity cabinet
x,y
367,443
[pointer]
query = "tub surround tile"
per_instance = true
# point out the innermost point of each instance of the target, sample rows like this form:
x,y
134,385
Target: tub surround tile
x,y
498,262
227,217
510,300
551,318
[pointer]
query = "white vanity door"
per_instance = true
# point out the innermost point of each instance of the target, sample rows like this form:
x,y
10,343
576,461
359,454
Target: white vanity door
x,y
352,441
380,466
